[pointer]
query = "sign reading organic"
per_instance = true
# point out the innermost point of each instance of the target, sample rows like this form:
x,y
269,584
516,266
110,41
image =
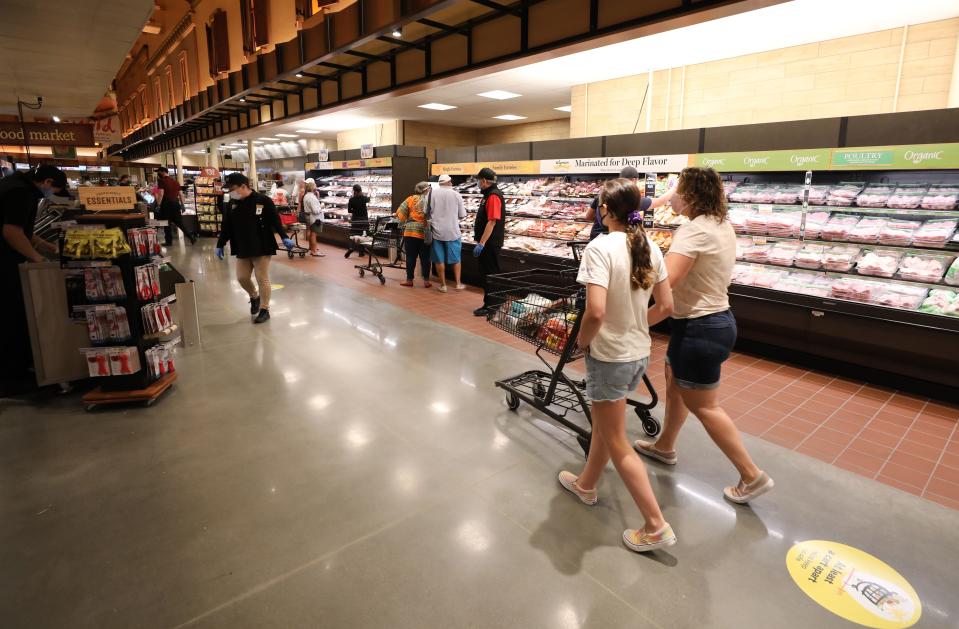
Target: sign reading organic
x,y
42,134
853,584
911,157
378,162
102,198
800,159
642,163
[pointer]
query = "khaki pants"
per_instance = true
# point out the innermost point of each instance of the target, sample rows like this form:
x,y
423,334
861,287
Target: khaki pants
x,y
245,268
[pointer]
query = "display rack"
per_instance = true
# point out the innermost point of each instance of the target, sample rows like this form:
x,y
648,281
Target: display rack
x,y
208,187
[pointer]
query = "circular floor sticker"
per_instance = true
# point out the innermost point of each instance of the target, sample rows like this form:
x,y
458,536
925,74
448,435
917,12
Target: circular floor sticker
x,y
853,584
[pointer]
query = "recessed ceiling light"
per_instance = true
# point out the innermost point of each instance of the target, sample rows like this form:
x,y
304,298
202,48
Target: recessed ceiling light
x,y
56,118
510,117
437,106
499,95
299,75
564,108
268,139
308,131
285,135
242,99
397,32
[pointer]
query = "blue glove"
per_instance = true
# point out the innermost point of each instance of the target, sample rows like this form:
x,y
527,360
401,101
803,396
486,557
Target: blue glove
x,y
477,250
219,252
288,243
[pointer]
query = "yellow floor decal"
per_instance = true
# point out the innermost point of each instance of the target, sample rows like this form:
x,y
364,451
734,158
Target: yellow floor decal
x,y
276,286
853,584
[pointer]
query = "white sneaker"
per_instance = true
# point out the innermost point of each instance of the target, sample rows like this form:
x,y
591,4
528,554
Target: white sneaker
x,y
568,481
461,287
442,288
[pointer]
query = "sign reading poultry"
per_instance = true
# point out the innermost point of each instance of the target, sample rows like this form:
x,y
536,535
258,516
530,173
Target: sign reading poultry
x,y
853,584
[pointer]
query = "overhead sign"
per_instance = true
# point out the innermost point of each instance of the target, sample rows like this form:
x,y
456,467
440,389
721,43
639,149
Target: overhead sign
x,y
612,165
323,155
909,157
366,151
42,134
106,131
378,162
106,198
853,584
209,171
800,159
500,168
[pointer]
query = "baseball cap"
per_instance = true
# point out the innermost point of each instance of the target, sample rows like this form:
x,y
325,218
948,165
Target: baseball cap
x,y
487,173
445,178
51,172
161,169
236,179
629,173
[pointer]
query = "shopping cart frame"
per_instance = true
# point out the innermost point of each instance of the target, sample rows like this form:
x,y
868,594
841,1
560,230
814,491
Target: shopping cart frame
x,y
550,391
381,238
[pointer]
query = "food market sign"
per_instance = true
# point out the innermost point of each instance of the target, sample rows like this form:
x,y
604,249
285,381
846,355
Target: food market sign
x,y
105,198
806,159
378,162
907,157
39,134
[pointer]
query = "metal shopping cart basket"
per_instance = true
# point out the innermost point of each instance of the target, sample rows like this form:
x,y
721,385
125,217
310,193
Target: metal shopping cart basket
x,y
383,235
544,307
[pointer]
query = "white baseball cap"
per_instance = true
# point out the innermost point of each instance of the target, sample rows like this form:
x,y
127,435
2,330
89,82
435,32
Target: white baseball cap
x,y
445,178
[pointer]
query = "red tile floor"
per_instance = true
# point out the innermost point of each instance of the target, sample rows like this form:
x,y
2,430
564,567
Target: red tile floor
x,y
901,440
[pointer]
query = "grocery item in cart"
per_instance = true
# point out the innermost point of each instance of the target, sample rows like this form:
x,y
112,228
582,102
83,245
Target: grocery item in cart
x,y
898,232
952,275
941,302
783,253
839,226
940,198
879,262
874,196
923,268
844,194
810,256
907,197
901,296
855,289
935,232
840,258
867,229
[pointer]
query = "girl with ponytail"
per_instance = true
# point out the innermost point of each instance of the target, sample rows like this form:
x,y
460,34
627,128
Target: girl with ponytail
x,y
621,270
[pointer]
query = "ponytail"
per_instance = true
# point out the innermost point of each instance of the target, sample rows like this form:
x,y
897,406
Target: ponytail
x,y
641,264
622,200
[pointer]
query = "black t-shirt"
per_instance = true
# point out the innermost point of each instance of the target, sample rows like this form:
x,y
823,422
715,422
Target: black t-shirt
x,y
19,199
249,226
357,208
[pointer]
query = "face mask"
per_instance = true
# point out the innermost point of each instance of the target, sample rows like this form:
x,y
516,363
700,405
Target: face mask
x,y
47,193
235,195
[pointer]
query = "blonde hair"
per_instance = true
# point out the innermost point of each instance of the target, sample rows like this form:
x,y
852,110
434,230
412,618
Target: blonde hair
x,y
310,186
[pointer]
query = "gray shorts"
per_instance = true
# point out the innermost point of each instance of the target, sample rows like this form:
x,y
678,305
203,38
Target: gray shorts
x,y
609,382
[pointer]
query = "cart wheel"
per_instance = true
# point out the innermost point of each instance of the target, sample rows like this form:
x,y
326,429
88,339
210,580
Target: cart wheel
x,y
289,254
90,408
539,390
362,272
302,255
584,444
650,426
382,280
512,402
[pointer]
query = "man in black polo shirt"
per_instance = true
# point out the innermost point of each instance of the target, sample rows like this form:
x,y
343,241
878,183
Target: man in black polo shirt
x,y
20,194
169,204
249,223
489,233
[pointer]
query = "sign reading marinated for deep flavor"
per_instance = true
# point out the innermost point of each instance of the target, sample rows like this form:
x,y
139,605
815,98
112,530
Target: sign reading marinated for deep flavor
x,y
642,163
42,134
103,198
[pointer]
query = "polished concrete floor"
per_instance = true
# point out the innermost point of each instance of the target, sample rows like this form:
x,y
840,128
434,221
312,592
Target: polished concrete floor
x,y
349,464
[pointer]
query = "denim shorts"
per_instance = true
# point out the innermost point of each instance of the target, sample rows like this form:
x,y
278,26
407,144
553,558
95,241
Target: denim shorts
x,y
699,347
609,382
447,251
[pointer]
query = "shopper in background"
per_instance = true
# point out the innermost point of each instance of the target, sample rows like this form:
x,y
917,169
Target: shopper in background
x,y
359,217
20,195
313,213
489,233
169,202
249,225
446,211
702,330
646,203
621,270
412,213
124,180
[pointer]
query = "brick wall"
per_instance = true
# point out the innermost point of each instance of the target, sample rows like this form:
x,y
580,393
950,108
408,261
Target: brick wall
x,y
840,77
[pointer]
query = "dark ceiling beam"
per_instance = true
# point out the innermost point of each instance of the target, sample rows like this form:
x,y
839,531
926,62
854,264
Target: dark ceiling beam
x,y
318,77
276,89
399,42
501,8
363,55
441,27
337,66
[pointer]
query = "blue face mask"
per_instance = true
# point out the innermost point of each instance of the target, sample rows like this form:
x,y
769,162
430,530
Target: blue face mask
x,y
47,193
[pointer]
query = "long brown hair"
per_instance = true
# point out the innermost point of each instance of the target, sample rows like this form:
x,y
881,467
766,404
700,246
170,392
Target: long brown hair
x,y
702,190
622,198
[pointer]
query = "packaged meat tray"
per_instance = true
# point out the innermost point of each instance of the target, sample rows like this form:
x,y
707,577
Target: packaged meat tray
x,y
815,221
840,258
756,276
952,275
783,253
810,257
940,198
901,296
756,253
744,194
878,262
757,223
839,226
867,229
843,194
818,195
923,268
874,196
784,224
935,232
787,194
742,243
729,187
738,216
941,302
898,232
906,197
817,285
854,289
764,194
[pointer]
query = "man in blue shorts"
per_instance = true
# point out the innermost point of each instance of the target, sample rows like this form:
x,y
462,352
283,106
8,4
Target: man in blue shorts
x,y
446,211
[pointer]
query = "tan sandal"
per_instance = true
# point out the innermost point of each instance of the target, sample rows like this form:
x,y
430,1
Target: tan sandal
x,y
743,493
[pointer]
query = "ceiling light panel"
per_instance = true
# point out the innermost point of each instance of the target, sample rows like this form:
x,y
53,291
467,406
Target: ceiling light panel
x,y
285,135
510,117
308,131
499,95
566,108
437,106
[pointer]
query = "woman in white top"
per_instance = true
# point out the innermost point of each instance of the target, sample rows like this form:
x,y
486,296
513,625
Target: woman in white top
x,y
702,330
313,213
621,270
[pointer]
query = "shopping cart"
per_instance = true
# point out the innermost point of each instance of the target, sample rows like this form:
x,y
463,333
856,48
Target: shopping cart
x,y
544,307
293,228
383,235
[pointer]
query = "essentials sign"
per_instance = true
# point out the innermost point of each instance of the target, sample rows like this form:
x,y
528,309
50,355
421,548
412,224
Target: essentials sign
x,y
106,198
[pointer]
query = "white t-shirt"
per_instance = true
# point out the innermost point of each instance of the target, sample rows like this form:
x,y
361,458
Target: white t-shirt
x,y
624,334
712,245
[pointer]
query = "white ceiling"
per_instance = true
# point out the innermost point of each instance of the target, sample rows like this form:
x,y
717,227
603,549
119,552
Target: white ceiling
x,y
546,84
67,52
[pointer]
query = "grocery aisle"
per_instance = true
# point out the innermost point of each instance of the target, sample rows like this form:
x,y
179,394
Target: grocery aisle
x,y
349,465
901,440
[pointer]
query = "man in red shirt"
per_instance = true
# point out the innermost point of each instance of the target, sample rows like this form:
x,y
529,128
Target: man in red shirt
x,y
169,199
489,233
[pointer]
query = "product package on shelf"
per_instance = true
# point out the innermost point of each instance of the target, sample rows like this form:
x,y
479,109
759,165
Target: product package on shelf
x,y
901,296
941,301
840,258
783,253
94,244
839,226
867,230
810,256
144,242
907,197
940,197
874,196
923,268
157,318
935,232
854,289
148,281
818,194
160,361
815,221
843,194
879,262
757,252
112,361
784,223
952,275
107,324
898,232
103,283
